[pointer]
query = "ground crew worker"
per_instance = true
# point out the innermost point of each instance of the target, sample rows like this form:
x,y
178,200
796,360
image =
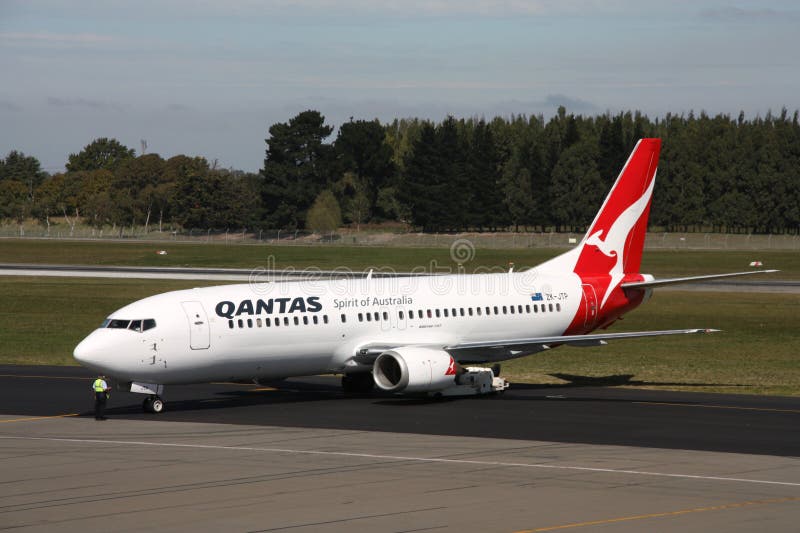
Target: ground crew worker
x,y
101,389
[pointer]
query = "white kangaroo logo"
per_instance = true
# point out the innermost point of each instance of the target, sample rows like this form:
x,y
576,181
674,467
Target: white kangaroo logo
x,y
614,242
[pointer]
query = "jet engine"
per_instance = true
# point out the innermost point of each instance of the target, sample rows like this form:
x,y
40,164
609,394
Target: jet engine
x,y
414,369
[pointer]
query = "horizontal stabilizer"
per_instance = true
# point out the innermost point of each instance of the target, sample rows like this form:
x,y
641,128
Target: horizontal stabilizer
x,y
691,279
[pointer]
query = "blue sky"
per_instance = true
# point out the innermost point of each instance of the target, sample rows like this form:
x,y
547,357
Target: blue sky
x,y
208,78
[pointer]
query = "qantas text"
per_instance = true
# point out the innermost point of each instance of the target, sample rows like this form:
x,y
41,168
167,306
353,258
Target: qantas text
x,y
228,309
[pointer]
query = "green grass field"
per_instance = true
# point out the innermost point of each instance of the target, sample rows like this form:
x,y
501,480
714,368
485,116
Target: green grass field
x,y
42,319
658,262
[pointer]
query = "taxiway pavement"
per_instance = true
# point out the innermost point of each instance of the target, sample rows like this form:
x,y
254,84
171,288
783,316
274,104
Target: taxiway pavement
x,y
259,275
300,455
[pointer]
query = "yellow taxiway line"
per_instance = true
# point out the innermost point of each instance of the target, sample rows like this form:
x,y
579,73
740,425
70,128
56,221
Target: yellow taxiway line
x,y
24,376
724,507
28,419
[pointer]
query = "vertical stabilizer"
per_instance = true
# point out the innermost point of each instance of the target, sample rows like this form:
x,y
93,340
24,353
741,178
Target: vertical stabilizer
x,y
613,245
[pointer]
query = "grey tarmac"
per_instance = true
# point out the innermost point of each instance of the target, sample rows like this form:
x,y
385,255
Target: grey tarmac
x,y
299,455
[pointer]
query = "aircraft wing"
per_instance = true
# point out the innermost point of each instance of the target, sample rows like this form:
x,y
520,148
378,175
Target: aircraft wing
x,y
692,279
501,350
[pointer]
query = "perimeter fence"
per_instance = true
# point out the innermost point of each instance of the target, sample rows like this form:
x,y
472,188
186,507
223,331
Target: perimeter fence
x,y
348,237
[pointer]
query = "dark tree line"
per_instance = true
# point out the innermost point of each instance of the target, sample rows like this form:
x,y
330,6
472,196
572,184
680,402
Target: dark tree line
x,y
524,172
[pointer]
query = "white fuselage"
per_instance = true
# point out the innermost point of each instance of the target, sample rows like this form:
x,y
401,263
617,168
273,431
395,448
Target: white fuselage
x,y
230,332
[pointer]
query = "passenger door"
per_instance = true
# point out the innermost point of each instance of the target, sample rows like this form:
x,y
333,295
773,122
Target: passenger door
x,y
199,330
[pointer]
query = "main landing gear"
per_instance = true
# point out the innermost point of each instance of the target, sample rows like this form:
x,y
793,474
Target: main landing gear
x,y
153,404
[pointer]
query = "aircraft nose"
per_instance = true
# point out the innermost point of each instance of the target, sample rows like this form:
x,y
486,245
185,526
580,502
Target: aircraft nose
x,y
86,352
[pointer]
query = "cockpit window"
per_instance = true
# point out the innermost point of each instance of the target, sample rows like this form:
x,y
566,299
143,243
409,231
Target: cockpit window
x,y
133,325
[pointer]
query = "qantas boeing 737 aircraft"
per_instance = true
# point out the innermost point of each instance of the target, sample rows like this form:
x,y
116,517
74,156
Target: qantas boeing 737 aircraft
x,y
401,334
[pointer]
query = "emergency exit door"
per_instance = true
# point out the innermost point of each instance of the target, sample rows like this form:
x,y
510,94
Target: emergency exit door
x,y
199,331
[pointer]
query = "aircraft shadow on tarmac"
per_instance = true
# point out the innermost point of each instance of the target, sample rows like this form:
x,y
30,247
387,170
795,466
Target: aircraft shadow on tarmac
x,y
299,392
617,380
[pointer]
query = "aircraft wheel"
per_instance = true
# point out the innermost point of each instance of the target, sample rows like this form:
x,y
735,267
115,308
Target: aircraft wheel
x,y
153,404
158,405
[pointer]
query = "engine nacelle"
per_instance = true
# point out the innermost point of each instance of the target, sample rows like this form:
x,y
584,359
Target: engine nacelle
x,y
414,369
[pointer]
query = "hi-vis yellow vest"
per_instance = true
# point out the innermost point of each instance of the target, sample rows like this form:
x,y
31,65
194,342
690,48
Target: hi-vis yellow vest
x,y
98,385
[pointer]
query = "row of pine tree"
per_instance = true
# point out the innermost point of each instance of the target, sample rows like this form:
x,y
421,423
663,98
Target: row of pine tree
x,y
518,173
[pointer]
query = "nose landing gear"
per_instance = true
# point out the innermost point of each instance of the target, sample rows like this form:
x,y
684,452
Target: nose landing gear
x,y
153,404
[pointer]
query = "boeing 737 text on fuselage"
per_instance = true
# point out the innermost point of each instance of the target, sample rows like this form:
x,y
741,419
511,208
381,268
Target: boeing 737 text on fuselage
x,y
405,334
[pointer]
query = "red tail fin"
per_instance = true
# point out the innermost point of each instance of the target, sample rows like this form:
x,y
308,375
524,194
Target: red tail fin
x,y
615,239
613,245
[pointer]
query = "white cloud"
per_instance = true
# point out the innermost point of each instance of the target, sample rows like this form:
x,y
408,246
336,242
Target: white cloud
x,y
59,38
84,103
193,8
748,15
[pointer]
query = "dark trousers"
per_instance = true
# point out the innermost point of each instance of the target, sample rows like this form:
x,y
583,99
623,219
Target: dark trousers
x,y
99,405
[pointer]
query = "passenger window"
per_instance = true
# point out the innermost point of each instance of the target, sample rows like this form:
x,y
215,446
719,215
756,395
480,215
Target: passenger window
x,y
296,321
249,322
511,309
410,313
267,322
148,323
462,311
519,308
344,318
535,308
488,310
445,312
385,315
230,324
325,318
438,314
305,320
470,311
478,310
558,307
528,308
377,316
430,315
286,321
505,310
400,315
241,323
455,312
550,307
496,310
316,320
369,317
258,322
277,322
360,317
